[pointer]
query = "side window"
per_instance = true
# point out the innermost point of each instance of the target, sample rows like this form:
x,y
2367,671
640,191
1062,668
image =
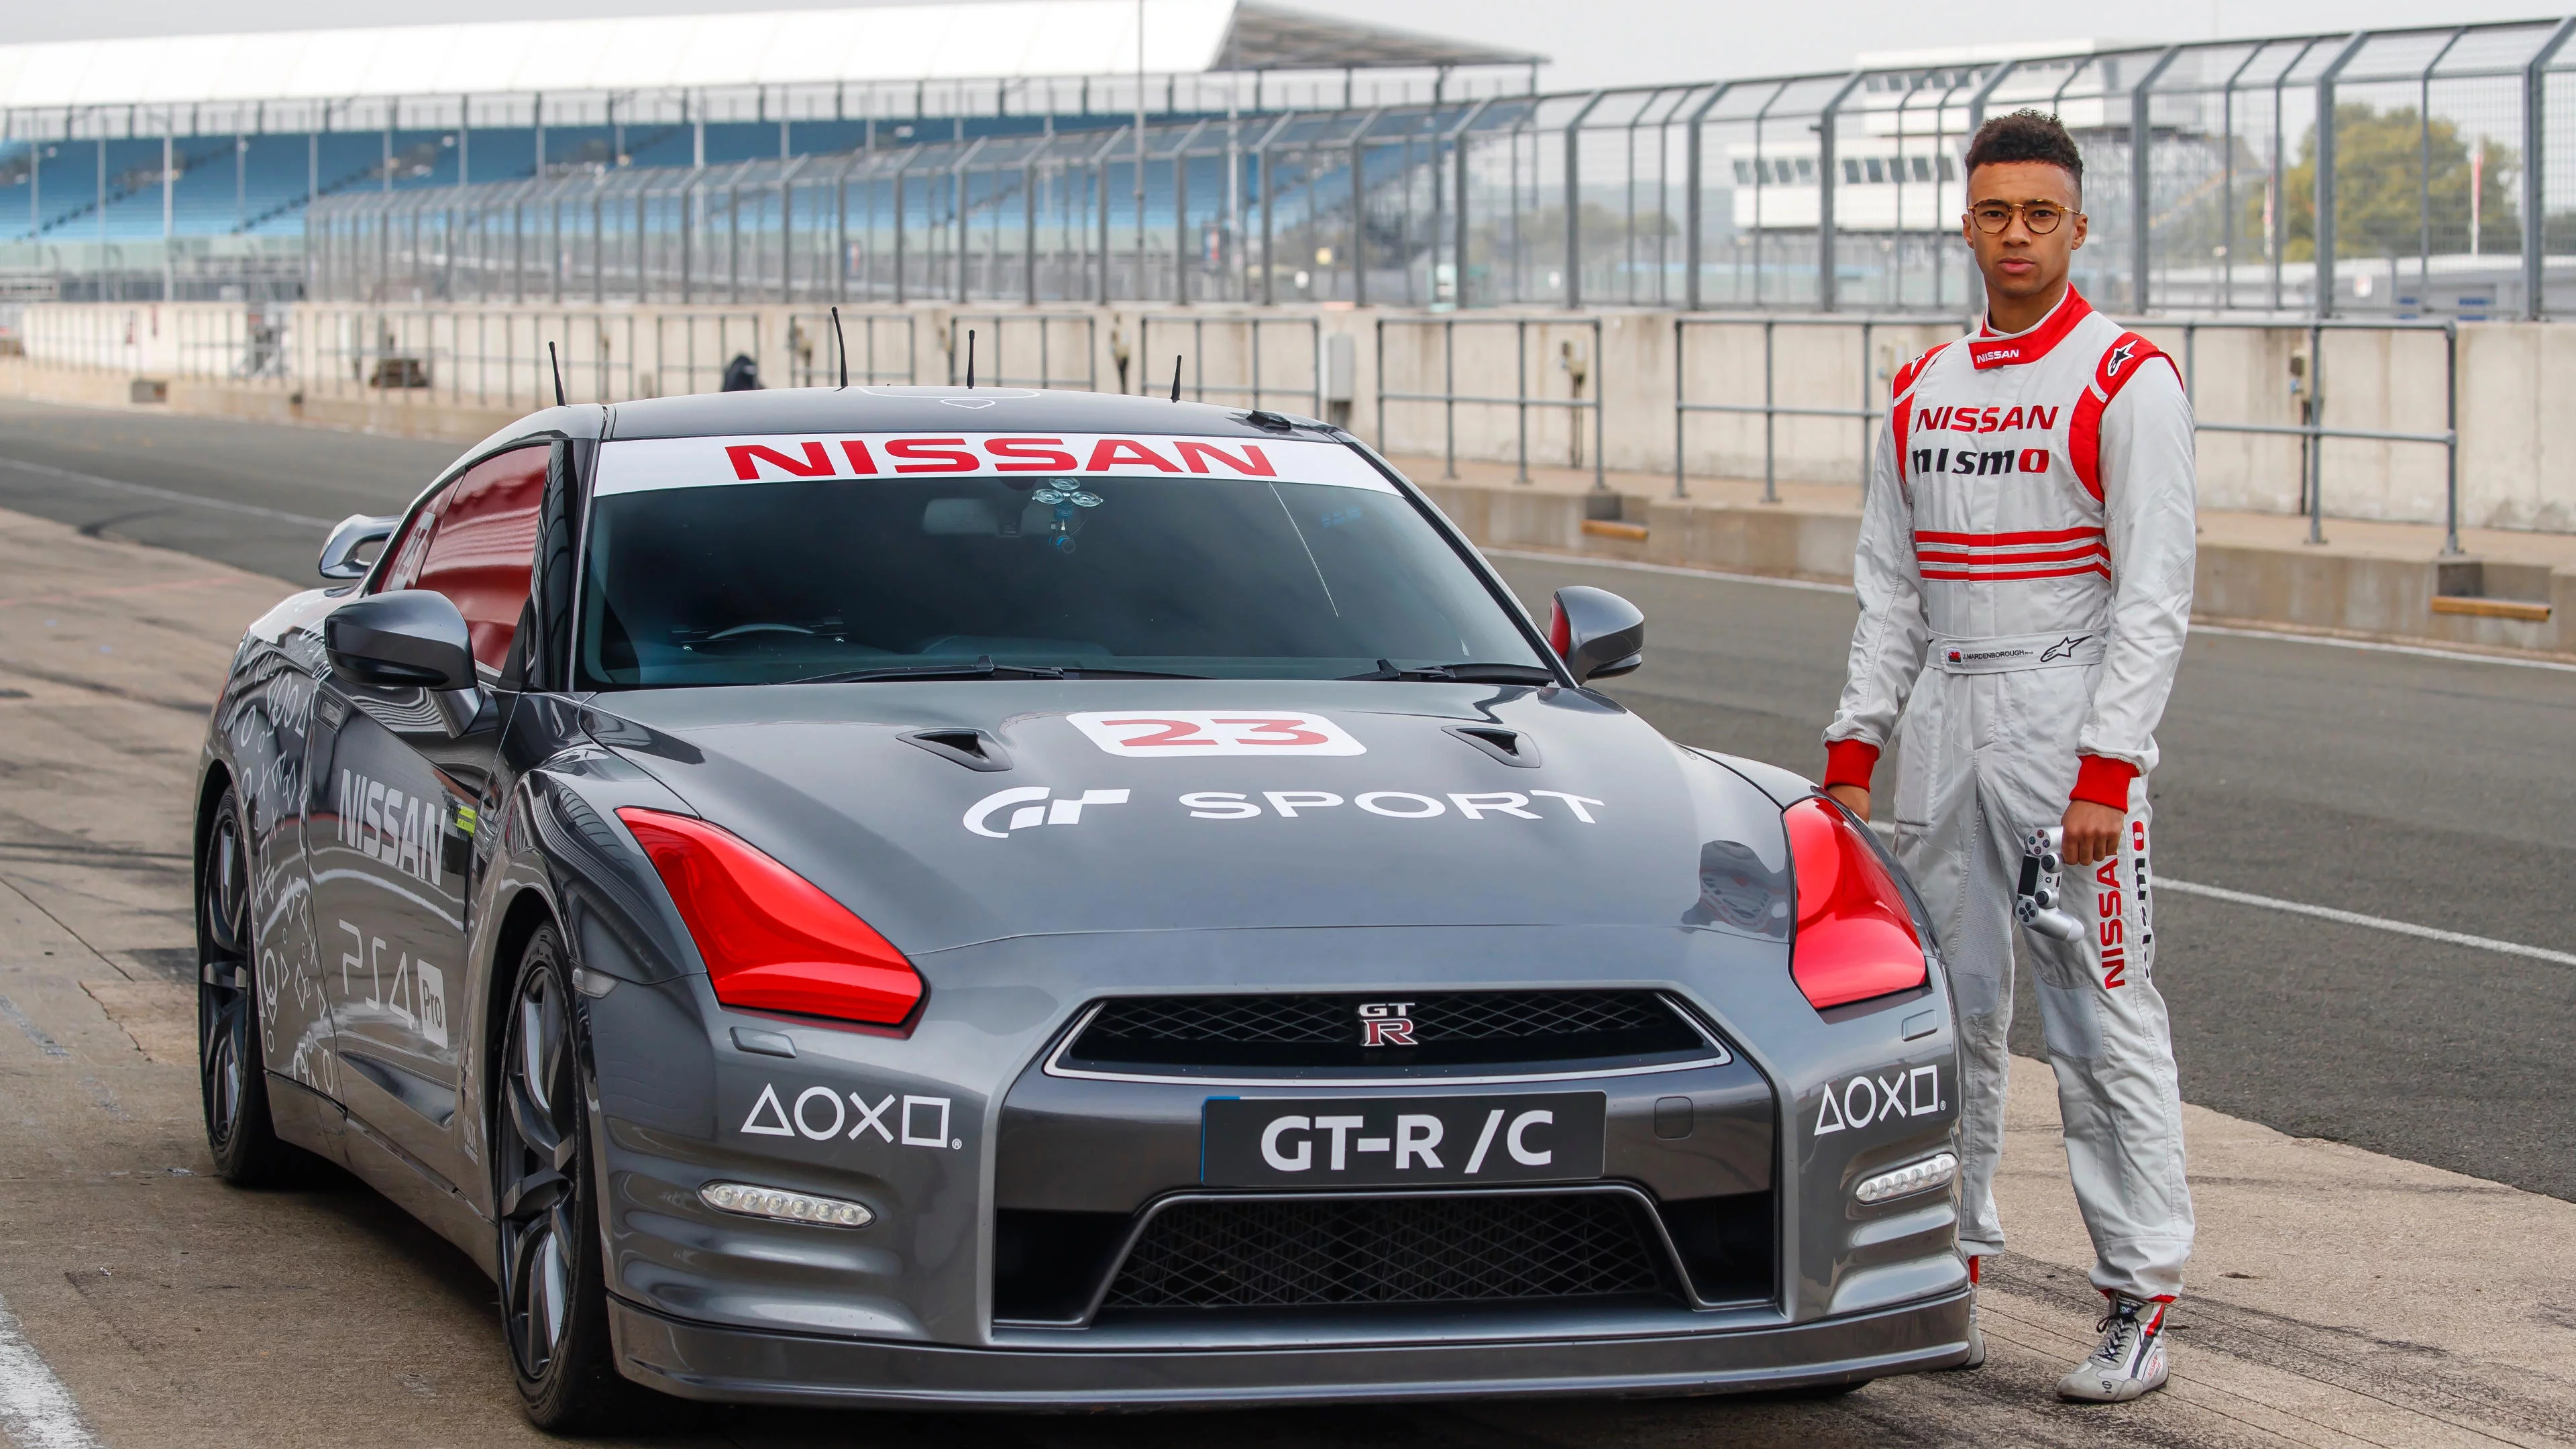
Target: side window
x,y
407,549
484,547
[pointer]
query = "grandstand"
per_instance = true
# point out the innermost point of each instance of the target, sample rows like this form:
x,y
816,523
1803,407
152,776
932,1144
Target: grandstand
x,y
186,166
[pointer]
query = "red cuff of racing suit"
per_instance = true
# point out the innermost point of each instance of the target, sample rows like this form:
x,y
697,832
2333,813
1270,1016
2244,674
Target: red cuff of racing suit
x,y
2103,781
1850,762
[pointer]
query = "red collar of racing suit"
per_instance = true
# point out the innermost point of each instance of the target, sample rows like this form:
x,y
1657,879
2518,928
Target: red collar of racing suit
x,y
1997,349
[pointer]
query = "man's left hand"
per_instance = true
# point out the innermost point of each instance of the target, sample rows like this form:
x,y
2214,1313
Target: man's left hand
x,y
2092,833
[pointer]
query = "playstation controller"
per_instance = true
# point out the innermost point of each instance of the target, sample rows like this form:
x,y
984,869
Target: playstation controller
x,y
2036,899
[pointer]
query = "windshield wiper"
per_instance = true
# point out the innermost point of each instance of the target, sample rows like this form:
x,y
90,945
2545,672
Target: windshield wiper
x,y
983,668
1464,673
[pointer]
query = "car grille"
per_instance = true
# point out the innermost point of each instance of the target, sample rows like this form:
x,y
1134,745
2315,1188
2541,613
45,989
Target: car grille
x,y
1295,1253
1480,1028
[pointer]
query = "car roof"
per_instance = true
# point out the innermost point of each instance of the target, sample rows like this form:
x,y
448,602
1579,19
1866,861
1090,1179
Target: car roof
x,y
936,409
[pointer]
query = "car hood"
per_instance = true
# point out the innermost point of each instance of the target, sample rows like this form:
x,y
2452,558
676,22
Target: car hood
x,y
1344,804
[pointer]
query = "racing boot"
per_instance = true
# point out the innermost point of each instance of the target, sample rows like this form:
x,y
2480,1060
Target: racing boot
x,y
2130,1361
1976,1336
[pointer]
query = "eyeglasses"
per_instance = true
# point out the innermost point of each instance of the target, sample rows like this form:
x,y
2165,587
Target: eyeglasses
x,y
2041,217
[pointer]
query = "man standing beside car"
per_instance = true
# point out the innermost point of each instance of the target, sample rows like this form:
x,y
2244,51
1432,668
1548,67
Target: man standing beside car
x,y
2025,575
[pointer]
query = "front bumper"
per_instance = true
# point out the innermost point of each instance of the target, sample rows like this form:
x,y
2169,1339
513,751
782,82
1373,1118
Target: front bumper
x,y
732,1365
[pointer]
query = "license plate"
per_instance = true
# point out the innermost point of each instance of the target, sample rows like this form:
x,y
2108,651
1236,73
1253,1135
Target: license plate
x,y
1400,1141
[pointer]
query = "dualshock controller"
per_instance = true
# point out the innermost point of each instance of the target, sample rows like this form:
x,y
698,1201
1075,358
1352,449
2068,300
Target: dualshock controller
x,y
2042,887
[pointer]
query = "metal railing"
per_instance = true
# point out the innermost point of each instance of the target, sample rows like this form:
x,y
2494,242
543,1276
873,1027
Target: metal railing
x,y
1867,414
1054,339
2307,375
1581,370
883,348
1249,350
2312,431
2430,189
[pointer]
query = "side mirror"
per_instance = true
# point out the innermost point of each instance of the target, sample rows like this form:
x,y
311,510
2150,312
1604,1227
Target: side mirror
x,y
410,637
340,551
1597,633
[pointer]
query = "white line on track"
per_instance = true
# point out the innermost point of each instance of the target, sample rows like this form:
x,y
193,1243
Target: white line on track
x,y
2376,646
2281,636
36,1411
1537,556
167,495
2376,923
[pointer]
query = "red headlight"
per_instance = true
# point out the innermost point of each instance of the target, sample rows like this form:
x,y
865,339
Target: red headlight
x,y
773,941
1854,938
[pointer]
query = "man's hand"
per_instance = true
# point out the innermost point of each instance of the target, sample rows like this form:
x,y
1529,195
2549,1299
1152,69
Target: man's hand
x,y
2092,833
1855,798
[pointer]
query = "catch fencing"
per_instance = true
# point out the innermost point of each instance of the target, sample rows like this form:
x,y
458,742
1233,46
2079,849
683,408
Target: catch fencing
x,y
2436,188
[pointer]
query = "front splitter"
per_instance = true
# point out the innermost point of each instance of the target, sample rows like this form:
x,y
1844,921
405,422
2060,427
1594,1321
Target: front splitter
x,y
733,1365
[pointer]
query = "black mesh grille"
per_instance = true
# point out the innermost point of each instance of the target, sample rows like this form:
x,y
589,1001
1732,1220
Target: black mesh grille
x,y
1444,1029
1258,1253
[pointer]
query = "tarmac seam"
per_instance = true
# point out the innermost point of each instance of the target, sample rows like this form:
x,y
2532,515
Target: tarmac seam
x,y
64,926
169,495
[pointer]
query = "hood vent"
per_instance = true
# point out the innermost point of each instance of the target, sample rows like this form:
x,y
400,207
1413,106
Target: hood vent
x,y
1509,746
974,749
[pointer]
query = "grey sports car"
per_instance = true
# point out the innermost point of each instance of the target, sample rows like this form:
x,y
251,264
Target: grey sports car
x,y
988,898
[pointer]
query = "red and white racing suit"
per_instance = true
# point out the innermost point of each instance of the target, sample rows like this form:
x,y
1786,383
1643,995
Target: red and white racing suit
x,y
2025,574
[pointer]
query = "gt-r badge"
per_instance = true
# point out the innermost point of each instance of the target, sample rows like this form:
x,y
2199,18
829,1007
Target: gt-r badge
x,y
1384,1023
1031,812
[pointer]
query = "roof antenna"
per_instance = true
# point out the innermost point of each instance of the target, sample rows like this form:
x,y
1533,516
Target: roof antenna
x,y
970,359
842,343
557,369
1176,377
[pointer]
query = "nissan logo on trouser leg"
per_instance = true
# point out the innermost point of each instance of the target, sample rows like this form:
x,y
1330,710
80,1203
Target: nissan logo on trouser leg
x,y
1415,1140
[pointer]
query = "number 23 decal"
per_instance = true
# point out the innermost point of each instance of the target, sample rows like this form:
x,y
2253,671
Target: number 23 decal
x,y
1198,734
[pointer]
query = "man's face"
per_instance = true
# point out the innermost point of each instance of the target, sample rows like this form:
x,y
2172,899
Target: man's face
x,y
2021,261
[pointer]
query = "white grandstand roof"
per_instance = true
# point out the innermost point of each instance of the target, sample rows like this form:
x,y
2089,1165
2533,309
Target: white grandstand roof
x,y
1004,40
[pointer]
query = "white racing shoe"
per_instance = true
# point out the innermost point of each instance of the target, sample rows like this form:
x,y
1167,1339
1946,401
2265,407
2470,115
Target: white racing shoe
x,y
2131,1361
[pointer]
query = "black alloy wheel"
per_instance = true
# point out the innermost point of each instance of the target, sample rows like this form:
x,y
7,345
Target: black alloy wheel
x,y
231,1069
554,1299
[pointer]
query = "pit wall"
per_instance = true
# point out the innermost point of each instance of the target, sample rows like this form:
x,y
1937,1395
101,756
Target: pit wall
x,y
478,375
386,364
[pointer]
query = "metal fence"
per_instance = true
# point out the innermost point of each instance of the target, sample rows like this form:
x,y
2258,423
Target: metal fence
x,y
1852,390
2444,185
1577,356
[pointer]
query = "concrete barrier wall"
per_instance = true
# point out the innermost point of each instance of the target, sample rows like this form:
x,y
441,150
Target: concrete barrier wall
x,y
2515,456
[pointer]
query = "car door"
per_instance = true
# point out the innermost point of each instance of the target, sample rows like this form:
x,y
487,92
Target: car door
x,y
391,852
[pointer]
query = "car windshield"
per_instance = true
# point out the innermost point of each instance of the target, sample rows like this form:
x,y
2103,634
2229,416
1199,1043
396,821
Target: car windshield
x,y
1219,577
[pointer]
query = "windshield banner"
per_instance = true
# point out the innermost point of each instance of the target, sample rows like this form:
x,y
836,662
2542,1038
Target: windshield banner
x,y
643,464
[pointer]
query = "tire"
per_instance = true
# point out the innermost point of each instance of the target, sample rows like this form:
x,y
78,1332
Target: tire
x,y
554,1295
232,1072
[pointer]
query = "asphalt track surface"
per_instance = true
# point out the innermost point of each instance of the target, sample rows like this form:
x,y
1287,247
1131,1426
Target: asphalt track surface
x,y
2426,790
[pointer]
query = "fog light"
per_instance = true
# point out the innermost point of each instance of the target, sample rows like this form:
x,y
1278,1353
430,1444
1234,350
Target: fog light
x,y
1931,1172
793,1207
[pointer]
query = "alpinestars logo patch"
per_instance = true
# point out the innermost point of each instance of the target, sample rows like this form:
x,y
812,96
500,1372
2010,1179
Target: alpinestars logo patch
x,y
2118,359
2063,648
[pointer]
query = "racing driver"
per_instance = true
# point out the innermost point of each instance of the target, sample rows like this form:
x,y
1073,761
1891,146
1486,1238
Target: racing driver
x,y
2025,573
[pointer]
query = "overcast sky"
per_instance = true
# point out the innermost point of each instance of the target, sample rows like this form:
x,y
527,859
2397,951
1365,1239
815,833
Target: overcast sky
x,y
1594,42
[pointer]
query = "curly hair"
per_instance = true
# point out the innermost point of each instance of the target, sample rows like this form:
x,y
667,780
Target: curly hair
x,y
2027,136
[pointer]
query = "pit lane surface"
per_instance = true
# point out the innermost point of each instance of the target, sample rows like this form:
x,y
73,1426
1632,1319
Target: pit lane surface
x,y
176,1310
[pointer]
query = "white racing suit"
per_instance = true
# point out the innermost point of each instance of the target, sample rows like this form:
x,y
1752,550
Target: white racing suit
x,y
2025,574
